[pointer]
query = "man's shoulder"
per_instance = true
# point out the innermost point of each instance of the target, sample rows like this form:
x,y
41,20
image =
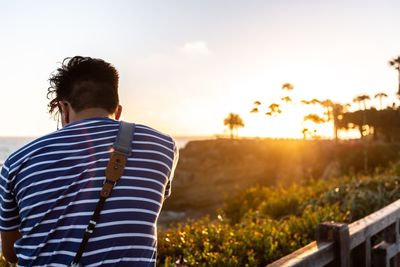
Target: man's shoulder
x,y
144,131
84,127
24,150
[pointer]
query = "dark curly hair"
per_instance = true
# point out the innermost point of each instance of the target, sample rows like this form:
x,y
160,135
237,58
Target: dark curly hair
x,y
84,82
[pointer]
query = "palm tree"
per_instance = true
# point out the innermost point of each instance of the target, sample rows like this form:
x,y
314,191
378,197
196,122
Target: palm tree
x,y
395,63
234,122
255,107
337,112
287,86
358,101
315,101
380,96
314,118
332,111
305,131
346,107
254,110
311,102
274,109
362,99
328,106
286,99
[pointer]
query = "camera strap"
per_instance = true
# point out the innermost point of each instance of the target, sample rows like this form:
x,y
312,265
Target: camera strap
x,y
122,148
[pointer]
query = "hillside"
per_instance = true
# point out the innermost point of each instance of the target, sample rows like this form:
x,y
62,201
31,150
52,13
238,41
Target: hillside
x,y
210,171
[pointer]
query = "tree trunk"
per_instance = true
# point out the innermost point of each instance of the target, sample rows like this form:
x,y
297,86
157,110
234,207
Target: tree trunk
x,y
398,92
365,105
375,133
335,129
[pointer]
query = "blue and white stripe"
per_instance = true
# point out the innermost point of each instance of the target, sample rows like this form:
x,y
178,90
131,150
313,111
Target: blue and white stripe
x,y
50,187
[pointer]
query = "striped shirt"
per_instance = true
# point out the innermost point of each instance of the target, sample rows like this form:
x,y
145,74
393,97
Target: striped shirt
x,y
50,187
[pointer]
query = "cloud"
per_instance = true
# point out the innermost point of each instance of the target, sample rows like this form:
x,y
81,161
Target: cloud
x,y
197,47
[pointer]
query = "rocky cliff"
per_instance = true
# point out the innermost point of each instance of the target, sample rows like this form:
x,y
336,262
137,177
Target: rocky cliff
x,y
211,170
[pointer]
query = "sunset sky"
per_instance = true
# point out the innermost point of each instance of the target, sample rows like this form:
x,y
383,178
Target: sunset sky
x,y
184,65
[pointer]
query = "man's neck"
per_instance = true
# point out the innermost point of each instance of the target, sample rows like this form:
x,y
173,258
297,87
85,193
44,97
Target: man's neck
x,y
89,113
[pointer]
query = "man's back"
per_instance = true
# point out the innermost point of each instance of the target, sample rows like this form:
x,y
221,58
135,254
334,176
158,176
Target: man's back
x,y
50,189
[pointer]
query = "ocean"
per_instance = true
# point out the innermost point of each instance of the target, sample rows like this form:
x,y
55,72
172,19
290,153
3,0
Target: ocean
x,y
10,144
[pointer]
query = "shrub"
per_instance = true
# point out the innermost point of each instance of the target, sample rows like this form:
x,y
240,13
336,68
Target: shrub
x,y
263,224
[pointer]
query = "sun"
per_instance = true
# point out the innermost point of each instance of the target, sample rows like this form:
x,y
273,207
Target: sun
x,y
288,123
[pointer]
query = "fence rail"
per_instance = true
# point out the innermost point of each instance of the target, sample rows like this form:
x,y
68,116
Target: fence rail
x,y
373,241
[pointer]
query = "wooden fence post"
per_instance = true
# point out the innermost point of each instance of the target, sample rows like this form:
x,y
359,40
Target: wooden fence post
x,y
339,234
380,255
396,259
361,255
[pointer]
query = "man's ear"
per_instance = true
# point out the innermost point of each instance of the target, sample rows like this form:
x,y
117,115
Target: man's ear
x,y
64,110
118,111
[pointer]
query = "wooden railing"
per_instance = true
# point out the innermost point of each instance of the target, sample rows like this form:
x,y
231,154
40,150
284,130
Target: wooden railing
x,y
371,241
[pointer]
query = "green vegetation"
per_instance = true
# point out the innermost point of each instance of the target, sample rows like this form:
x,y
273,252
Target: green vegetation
x,y
263,224
5,263
385,123
211,170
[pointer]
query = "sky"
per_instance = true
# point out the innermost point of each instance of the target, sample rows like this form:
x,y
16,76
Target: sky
x,y
185,65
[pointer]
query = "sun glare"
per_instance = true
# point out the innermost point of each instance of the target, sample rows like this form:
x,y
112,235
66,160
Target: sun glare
x,y
300,112
288,120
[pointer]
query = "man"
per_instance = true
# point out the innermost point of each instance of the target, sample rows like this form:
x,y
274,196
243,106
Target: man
x,y
50,188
